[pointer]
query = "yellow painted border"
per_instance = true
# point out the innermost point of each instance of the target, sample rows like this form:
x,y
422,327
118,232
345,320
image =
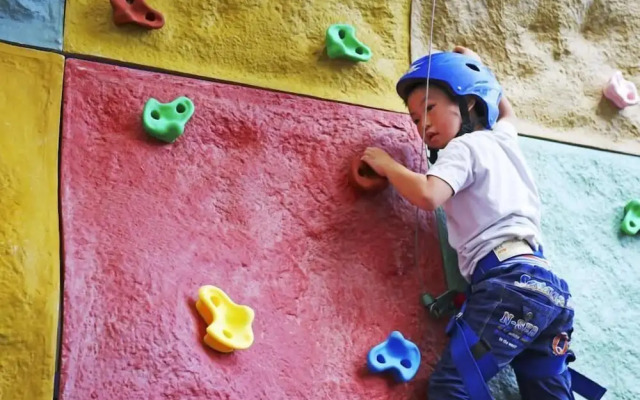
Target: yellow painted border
x,y
30,98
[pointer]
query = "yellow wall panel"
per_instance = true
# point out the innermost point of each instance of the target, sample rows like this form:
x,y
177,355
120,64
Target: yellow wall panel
x,y
30,96
276,44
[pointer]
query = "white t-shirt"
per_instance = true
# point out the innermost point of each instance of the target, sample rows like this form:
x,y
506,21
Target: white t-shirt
x,y
495,198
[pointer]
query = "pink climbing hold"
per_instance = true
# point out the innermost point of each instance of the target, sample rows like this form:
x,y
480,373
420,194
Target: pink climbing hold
x,y
620,91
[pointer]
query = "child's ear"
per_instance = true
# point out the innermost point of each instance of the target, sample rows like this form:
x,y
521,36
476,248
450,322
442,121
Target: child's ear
x,y
471,102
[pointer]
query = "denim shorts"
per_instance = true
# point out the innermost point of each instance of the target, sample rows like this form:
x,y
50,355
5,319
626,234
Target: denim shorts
x,y
521,310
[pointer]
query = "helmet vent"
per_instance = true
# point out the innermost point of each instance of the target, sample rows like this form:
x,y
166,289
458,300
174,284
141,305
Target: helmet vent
x,y
473,67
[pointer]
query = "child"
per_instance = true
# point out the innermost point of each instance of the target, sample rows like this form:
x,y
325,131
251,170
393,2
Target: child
x,y
517,311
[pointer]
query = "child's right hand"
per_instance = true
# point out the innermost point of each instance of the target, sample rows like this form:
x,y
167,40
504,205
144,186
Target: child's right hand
x,y
467,52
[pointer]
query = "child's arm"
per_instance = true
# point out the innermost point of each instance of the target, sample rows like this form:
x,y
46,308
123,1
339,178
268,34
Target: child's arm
x,y
504,107
425,192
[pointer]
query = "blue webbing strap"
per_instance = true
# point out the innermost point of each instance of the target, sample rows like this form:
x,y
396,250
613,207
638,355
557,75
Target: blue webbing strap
x,y
542,367
585,387
462,339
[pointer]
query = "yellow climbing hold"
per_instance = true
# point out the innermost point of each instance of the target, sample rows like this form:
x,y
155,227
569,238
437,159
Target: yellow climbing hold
x,y
229,323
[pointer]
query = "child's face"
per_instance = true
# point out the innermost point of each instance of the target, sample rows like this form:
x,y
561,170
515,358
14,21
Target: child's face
x,y
442,120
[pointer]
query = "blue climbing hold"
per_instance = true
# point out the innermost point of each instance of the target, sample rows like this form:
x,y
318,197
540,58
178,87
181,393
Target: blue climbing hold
x,y
397,354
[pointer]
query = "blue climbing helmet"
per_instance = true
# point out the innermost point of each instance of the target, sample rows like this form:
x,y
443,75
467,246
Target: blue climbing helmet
x,y
461,75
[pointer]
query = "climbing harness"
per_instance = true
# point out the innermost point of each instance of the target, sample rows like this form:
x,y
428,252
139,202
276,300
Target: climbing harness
x,y
471,355
476,365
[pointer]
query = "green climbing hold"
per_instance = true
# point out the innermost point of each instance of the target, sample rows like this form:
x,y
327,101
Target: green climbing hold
x,y
631,222
166,121
342,43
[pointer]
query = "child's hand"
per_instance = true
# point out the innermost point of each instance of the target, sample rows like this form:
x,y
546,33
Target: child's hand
x,y
467,52
378,160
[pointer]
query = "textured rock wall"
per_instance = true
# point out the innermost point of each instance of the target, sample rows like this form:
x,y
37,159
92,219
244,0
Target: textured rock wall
x,y
32,22
253,198
30,96
272,44
553,58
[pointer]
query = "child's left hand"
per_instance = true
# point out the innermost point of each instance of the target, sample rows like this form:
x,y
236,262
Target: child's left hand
x,y
378,160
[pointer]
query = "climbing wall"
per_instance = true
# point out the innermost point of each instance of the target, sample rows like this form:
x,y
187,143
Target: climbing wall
x,y
254,199
30,96
275,44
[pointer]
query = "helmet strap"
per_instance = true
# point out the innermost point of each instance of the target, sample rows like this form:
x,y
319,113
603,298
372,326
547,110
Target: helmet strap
x,y
433,156
466,126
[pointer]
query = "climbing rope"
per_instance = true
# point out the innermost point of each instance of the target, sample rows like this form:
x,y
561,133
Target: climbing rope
x,y
423,154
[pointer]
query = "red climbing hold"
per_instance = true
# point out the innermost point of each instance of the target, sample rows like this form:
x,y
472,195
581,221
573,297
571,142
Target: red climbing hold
x,y
136,12
364,178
